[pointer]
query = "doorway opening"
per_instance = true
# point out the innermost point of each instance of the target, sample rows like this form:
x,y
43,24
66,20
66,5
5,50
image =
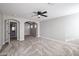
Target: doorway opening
x,y
12,30
30,29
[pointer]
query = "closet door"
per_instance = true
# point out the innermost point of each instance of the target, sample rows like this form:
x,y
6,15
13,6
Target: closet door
x,y
7,30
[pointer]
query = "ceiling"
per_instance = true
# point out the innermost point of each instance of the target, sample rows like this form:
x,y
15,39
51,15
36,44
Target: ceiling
x,y
25,10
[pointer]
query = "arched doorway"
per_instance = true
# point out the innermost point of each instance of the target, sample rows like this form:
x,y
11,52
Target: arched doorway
x,y
12,30
30,29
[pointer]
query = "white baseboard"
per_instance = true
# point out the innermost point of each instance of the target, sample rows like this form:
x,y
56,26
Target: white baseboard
x,y
60,41
53,39
70,39
21,40
66,40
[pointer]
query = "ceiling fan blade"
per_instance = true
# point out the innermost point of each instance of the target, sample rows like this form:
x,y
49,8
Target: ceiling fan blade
x,y
35,12
44,15
44,12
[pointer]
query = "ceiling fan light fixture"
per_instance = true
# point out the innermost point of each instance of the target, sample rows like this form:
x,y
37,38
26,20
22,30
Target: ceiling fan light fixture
x,y
38,16
39,13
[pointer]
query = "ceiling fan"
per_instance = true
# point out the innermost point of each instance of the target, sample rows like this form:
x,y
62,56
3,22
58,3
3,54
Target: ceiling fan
x,y
39,13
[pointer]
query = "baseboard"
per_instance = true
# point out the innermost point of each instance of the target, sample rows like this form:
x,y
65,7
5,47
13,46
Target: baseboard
x,y
71,39
52,39
64,42
21,40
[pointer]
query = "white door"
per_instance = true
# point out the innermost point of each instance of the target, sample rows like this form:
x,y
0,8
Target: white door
x,y
7,30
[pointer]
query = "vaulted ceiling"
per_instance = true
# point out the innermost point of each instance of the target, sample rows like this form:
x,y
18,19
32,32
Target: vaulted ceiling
x,y
25,10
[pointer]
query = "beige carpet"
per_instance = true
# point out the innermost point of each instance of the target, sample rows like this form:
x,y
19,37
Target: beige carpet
x,y
40,47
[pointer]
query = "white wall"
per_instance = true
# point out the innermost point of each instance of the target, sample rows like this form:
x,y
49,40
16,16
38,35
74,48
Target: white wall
x,y
72,27
27,29
1,30
4,17
61,28
53,28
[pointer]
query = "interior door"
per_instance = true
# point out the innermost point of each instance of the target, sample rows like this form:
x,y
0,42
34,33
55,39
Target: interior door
x,y
7,30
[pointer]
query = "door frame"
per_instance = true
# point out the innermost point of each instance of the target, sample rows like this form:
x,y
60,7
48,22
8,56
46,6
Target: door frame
x,y
35,23
18,28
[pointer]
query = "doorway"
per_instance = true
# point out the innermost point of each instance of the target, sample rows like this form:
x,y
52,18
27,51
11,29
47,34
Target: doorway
x,y
12,30
30,29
